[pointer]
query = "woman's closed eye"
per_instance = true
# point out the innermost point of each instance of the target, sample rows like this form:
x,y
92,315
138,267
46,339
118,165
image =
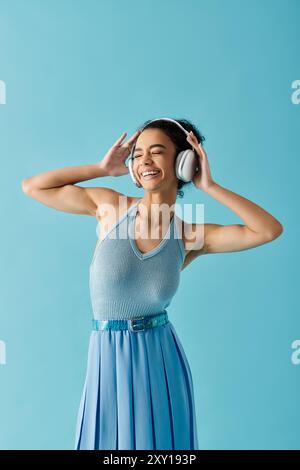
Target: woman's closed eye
x,y
153,153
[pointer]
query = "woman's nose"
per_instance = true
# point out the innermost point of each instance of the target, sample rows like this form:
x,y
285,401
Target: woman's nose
x,y
146,157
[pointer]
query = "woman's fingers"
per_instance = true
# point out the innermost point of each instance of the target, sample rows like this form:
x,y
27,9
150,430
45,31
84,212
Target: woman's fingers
x,y
198,148
133,138
117,142
193,138
192,141
129,142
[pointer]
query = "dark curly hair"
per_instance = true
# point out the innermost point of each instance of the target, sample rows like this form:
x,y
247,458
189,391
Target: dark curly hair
x,y
178,138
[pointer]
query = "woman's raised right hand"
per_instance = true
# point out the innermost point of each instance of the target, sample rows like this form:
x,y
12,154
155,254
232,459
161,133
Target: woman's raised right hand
x,y
113,163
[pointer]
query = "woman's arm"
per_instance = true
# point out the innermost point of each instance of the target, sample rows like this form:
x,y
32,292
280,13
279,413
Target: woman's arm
x,y
56,188
260,226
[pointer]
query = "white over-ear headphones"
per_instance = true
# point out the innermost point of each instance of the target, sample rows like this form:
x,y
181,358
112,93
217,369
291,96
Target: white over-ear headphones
x,y
186,162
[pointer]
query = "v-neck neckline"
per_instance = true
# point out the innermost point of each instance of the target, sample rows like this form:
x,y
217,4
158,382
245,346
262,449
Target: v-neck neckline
x,y
157,248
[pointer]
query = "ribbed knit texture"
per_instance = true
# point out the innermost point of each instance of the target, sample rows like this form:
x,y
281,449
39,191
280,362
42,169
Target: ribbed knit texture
x,y
125,283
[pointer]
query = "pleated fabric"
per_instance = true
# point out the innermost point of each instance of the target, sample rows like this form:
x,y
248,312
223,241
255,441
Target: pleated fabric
x,y
138,392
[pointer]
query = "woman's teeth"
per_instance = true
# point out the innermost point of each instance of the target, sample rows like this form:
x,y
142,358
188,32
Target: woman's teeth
x,y
150,175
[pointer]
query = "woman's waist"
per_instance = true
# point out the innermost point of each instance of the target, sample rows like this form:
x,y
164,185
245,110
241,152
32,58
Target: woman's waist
x,y
135,323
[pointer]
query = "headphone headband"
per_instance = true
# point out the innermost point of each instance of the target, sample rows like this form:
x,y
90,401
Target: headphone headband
x,y
161,119
167,119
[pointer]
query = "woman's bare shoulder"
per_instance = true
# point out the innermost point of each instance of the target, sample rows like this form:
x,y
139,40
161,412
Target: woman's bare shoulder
x,y
192,235
108,198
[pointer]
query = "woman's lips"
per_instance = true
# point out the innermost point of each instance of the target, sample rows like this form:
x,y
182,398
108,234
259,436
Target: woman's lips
x,y
150,177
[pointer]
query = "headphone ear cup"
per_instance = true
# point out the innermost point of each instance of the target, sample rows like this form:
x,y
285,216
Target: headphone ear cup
x,y
185,165
132,174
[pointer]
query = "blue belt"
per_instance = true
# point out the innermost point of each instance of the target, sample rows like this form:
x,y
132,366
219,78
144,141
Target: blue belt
x,y
132,324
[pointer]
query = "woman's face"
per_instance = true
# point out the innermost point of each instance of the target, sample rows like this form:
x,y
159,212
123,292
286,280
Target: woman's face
x,y
154,150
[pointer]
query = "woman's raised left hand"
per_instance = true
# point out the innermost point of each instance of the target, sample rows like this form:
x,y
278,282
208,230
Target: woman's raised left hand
x,y
202,179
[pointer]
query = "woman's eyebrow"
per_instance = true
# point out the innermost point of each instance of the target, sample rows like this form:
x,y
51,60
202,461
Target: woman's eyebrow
x,y
153,145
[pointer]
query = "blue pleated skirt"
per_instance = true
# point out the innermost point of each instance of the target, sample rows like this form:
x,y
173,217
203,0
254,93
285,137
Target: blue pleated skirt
x,y
138,392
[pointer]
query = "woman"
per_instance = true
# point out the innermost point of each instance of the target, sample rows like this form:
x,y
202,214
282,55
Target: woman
x,y
138,391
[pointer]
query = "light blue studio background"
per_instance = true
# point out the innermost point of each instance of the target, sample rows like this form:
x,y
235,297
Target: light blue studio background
x,y
77,75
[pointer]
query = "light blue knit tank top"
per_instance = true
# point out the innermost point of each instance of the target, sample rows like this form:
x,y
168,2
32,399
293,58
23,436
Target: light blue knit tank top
x,y
126,283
